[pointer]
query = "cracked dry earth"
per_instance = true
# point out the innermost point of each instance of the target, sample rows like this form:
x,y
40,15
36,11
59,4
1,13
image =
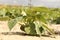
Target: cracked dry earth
x,y
17,34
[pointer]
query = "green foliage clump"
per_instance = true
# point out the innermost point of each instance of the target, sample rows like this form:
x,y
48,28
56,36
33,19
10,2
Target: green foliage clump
x,y
33,20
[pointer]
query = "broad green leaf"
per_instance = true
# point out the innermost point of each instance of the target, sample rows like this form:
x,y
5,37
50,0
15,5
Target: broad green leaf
x,y
30,29
11,23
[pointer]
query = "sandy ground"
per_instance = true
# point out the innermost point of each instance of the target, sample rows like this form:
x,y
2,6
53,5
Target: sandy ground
x,y
15,35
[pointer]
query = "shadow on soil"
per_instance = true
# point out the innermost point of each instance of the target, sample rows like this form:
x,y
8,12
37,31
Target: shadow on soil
x,y
24,34
18,33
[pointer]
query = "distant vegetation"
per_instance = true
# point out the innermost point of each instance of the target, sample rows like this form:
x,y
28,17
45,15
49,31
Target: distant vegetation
x,y
10,12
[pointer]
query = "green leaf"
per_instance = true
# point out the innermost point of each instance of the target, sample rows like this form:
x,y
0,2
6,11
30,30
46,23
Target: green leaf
x,y
30,29
41,18
47,27
37,25
11,23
